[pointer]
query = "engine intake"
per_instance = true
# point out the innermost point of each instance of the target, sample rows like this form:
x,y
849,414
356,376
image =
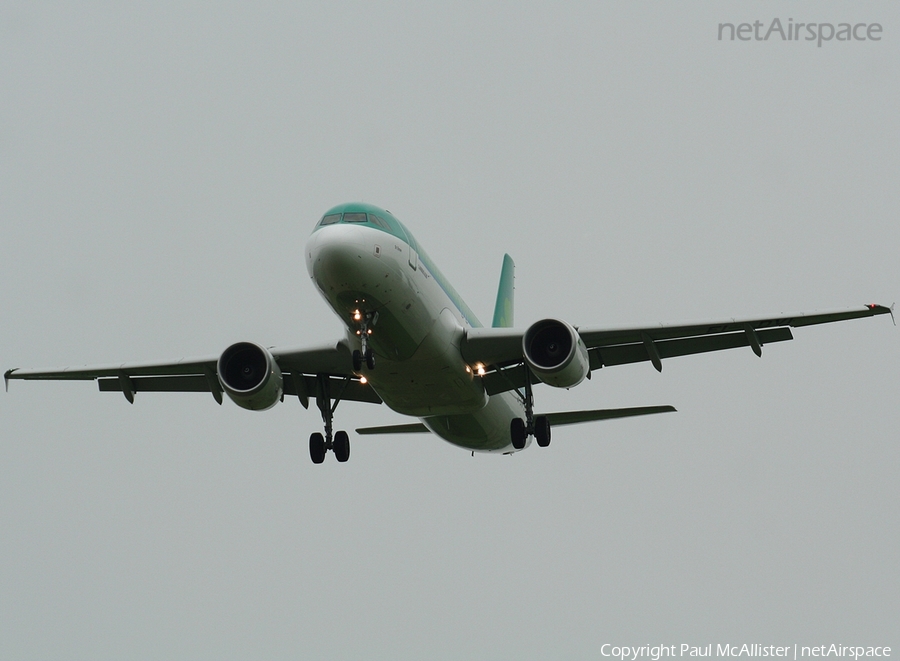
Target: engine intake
x,y
556,353
250,376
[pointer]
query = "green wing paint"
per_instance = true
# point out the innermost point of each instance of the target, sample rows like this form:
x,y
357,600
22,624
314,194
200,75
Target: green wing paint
x,y
503,309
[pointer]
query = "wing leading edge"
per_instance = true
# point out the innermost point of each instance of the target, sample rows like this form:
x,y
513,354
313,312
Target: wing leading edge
x,y
500,349
302,369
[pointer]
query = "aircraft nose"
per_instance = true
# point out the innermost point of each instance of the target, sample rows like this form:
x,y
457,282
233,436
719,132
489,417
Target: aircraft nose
x,y
333,257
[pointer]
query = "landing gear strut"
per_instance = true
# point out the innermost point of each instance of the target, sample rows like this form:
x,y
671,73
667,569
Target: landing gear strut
x,y
339,442
520,430
364,353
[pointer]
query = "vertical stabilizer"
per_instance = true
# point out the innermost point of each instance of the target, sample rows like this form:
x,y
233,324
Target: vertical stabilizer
x,y
503,309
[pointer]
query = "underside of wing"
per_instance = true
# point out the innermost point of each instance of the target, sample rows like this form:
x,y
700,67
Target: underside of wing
x,y
180,367
603,337
305,372
498,353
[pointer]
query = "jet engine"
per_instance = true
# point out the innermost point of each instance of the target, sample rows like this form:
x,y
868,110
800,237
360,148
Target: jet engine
x,y
555,353
250,376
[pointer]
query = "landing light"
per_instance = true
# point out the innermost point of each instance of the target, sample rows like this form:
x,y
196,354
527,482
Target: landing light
x,y
363,379
356,315
480,369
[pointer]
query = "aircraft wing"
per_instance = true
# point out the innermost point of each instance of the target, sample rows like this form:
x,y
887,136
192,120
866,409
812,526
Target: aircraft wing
x,y
499,350
300,367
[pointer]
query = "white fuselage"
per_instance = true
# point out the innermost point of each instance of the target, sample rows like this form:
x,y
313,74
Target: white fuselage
x,y
416,335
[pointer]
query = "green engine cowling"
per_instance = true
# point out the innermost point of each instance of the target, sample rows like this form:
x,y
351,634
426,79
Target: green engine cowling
x,y
555,353
250,376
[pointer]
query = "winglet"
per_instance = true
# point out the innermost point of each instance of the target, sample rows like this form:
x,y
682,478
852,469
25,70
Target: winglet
x,y
881,309
6,376
503,309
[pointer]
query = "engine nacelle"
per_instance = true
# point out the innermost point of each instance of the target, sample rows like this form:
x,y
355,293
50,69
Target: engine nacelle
x,y
250,376
555,353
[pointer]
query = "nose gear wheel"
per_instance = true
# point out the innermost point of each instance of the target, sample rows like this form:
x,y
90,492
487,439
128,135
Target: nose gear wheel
x,y
364,353
359,357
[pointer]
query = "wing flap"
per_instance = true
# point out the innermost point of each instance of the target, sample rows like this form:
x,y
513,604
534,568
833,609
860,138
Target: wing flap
x,y
189,383
503,380
351,390
637,352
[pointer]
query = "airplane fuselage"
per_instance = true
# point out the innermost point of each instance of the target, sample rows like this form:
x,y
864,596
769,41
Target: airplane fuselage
x,y
413,344
375,267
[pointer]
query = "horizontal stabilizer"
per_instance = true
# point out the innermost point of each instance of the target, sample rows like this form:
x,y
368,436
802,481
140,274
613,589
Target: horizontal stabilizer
x,y
574,417
414,428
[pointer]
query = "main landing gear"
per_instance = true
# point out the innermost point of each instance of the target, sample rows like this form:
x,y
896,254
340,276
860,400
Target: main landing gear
x,y
520,430
364,353
338,442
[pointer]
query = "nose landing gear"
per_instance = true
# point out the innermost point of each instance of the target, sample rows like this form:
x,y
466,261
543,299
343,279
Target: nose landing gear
x,y
364,353
359,356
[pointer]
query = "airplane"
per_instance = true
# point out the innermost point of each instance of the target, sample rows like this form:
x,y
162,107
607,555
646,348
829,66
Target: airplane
x,y
413,344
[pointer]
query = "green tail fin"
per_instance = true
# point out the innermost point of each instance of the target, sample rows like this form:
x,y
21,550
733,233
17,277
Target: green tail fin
x,y
503,309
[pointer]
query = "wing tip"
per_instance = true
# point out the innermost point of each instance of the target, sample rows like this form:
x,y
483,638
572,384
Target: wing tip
x,y
6,376
876,308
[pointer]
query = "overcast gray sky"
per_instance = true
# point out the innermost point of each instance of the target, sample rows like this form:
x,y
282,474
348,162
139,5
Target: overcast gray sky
x,y
161,166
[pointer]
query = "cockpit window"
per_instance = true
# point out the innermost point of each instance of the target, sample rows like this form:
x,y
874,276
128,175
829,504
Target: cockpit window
x,y
379,221
354,217
330,219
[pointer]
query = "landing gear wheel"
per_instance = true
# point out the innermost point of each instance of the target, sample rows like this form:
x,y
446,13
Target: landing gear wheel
x,y
357,360
517,433
341,446
542,430
370,359
317,448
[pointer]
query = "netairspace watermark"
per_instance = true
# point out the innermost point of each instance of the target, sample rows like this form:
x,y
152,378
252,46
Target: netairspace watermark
x,y
775,30
746,650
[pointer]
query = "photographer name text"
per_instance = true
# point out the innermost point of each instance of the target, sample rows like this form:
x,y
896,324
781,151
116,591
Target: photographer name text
x,y
745,650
